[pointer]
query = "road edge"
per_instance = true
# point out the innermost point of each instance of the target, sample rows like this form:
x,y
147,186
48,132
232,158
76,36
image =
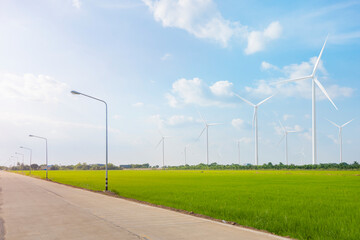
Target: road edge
x,y
116,195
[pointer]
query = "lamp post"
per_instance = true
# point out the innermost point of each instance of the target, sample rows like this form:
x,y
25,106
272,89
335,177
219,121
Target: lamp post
x,y
106,117
22,167
30,155
11,157
47,166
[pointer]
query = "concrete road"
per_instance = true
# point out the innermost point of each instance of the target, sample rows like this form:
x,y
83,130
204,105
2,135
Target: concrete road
x,y
36,209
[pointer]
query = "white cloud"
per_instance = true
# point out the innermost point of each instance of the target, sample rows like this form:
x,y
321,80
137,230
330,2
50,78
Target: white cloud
x,y
202,19
222,88
138,104
237,123
156,119
166,56
300,88
172,121
306,135
29,87
76,3
257,39
262,88
198,17
279,130
179,120
287,116
171,100
334,139
245,140
195,91
268,66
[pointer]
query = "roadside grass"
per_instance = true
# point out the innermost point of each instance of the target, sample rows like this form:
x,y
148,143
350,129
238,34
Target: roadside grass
x,y
299,204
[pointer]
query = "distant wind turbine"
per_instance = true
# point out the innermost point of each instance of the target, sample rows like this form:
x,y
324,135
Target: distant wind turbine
x,y
340,134
185,151
207,125
302,153
162,140
315,81
238,147
286,141
255,122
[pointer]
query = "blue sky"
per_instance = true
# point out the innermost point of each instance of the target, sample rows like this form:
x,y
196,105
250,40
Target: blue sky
x,y
159,63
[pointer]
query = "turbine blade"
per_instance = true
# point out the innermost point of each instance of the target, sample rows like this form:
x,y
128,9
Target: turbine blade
x,y
282,126
291,80
202,118
292,131
248,102
201,133
282,138
266,99
333,123
157,145
253,122
347,123
161,134
215,124
324,91
319,57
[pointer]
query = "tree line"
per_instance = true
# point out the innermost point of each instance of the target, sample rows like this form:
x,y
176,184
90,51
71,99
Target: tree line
x,y
270,166
79,166
201,166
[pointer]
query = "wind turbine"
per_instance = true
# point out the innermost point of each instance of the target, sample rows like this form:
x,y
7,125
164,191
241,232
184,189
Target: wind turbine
x,y
207,125
315,82
286,141
340,134
302,157
255,122
185,151
238,148
162,140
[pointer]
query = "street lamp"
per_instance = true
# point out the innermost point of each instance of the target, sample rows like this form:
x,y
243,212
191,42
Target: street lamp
x,y
47,166
30,155
14,160
22,167
106,165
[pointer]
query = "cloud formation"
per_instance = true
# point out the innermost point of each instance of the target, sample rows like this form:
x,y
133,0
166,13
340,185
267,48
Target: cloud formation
x,y
195,91
138,104
257,39
76,3
172,121
29,87
299,88
237,123
202,19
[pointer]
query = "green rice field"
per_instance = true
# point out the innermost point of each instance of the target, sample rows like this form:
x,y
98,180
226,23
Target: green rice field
x,y
299,204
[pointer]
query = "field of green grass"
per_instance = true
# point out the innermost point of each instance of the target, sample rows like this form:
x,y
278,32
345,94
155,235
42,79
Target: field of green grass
x,y
299,204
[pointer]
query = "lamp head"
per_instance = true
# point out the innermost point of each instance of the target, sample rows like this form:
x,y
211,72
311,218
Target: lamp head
x,y
75,92
31,135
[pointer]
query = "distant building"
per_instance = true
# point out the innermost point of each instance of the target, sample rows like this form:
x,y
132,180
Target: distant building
x,y
126,166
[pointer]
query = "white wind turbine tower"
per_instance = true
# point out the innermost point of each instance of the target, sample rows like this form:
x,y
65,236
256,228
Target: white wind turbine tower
x,y
238,141
315,81
185,151
340,134
207,125
255,123
162,140
286,141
